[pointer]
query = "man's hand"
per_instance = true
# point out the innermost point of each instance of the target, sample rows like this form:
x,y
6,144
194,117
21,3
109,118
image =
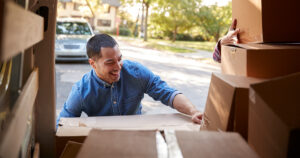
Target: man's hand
x,y
231,37
197,117
184,105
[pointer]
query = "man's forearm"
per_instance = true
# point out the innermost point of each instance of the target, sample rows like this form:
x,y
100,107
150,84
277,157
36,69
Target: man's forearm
x,y
184,105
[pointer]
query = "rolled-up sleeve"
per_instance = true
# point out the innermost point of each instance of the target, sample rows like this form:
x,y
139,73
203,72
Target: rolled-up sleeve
x,y
170,103
157,88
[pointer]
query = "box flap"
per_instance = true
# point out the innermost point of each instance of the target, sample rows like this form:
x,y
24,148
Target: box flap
x,y
66,134
71,150
266,46
238,81
220,99
213,145
218,104
117,144
68,131
134,122
282,96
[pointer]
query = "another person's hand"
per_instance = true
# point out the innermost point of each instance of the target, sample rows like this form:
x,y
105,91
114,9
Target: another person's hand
x,y
197,117
231,36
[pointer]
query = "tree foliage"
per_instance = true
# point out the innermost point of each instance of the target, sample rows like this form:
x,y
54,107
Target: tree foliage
x,y
214,20
173,16
170,18
146,4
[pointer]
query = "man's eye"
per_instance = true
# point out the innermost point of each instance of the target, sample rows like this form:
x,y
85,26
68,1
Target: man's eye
x,y
110,63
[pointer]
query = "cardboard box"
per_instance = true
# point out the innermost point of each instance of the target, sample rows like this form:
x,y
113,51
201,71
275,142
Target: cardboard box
x,y
260,60
227,103
76,129
71,150
267,21
117,144
213,145
136,144
134,122
274,117
66,134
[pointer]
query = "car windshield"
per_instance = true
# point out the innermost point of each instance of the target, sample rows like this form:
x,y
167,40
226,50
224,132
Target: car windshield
x,y
73,28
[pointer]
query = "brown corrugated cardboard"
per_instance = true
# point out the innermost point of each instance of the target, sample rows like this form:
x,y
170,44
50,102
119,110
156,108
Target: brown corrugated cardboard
x,y
71,150
213,145
267,20
117,144
134,122
260,60
65,134
274,117
76,129
227,103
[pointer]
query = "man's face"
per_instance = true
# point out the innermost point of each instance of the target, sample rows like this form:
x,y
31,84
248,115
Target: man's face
x,y
109,66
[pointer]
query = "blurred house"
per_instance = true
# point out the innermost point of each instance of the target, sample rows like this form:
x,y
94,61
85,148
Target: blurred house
x,y
101,14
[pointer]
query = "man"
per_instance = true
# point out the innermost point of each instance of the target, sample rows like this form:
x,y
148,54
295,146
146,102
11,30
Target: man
x,y
230,38
116,87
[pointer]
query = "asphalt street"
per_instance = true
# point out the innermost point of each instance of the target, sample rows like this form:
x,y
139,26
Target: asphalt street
x,y
189,76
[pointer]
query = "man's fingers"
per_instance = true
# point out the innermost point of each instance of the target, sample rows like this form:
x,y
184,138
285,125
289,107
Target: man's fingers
x,y
233,25
197,118
236,32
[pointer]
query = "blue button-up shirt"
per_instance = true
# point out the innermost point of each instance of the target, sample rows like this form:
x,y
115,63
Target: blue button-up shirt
x,y
97,98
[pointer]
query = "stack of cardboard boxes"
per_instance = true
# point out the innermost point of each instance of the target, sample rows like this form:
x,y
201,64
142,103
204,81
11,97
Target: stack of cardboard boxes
x,y
257,93
161,136
77,129
165,144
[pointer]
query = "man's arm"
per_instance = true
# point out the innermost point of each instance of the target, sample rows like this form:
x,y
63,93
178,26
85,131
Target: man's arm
x,y
72,106
184,105
159,90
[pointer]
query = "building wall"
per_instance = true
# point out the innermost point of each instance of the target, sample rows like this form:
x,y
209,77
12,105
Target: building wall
x,y
111,16
71,9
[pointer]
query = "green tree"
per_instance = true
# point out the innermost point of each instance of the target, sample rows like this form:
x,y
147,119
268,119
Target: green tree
x,y
214,20
146,4
174,16
126,20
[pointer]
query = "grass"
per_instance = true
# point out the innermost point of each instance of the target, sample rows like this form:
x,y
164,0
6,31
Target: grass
x,y
166,45
208,46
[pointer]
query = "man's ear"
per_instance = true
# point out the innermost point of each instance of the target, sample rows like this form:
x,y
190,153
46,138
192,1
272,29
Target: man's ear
x,y
92,63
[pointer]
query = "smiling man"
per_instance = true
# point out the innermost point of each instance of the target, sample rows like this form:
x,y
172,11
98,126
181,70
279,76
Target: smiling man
x,y
116,87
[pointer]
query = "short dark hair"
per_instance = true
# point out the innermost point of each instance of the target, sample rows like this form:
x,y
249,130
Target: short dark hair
x,y
94,45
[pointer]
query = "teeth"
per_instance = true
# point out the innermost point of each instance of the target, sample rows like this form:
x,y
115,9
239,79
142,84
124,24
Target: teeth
x,y
115,73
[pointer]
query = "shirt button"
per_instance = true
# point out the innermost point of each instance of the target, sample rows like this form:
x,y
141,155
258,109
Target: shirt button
x,y
115,102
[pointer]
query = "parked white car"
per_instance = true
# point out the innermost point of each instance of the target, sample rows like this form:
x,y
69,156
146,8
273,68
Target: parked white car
x,y
71,38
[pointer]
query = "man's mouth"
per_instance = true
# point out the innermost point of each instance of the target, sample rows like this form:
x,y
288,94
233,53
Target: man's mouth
x,y
115,74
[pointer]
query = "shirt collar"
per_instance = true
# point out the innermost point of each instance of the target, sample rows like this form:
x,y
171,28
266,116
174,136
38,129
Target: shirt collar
x,y
100,81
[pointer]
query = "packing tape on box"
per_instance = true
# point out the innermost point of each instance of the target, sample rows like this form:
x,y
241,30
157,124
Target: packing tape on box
x,y
173,147
161,145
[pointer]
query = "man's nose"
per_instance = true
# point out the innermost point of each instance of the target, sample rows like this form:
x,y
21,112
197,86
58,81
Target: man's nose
x,y
119,65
